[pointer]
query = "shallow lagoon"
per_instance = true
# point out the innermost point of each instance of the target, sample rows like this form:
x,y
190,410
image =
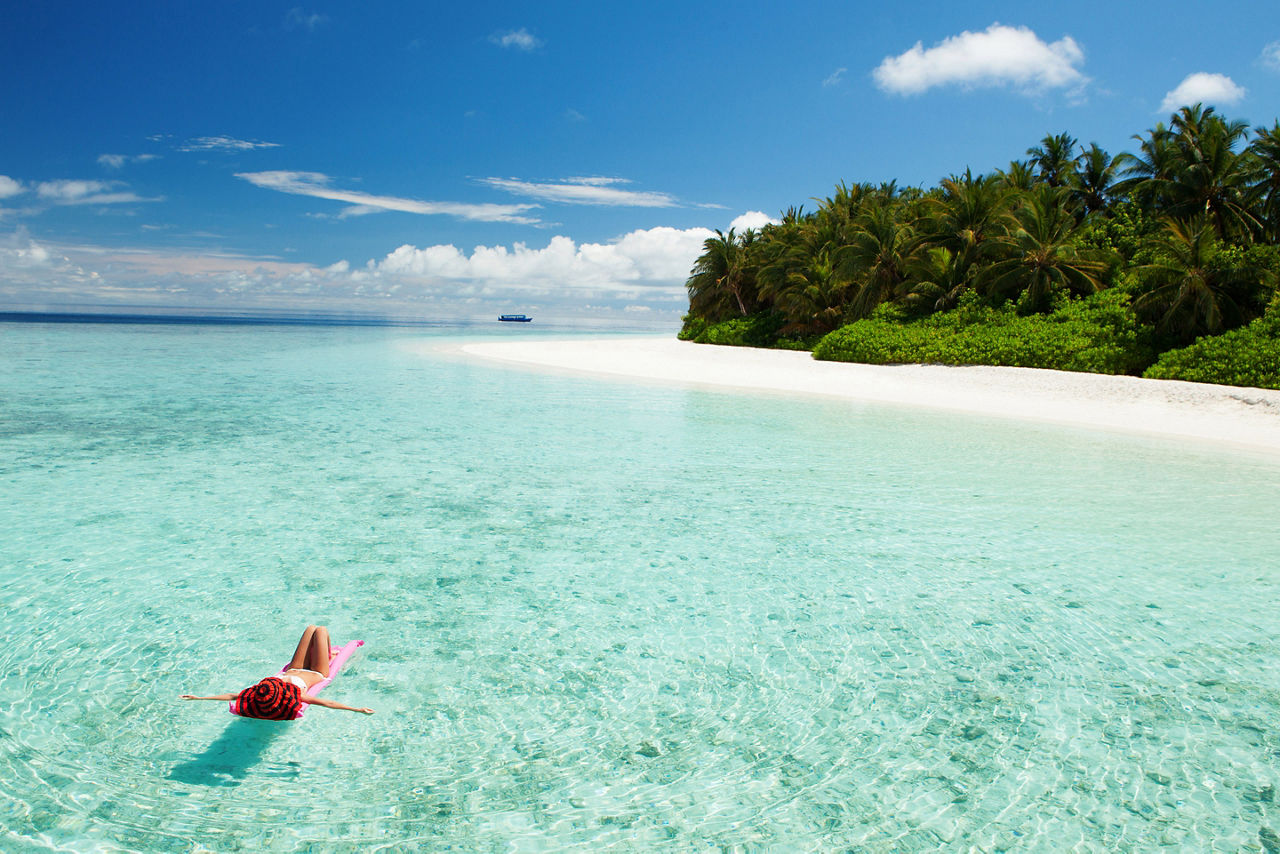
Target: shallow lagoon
x,y
604,614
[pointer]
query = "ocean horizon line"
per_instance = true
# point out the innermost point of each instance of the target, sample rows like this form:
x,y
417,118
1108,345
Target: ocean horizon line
x,y
222,318
268,317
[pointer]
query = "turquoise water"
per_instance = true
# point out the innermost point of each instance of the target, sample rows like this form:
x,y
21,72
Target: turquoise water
x,y
610,616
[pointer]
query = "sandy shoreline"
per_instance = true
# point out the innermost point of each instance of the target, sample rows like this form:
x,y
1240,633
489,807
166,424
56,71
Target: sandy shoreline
x,y
1236,416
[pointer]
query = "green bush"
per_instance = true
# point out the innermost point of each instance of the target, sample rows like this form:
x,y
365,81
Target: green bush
x,y
1099,334
758,330
1248,356
692,328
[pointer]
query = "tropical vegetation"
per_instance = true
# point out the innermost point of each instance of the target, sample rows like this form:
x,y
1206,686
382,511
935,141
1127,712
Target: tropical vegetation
x,y
1164,262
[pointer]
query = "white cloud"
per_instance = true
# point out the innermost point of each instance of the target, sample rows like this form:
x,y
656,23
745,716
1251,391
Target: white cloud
x,y
835,77
641,274
997,56
224,143
87,193
1271,56
520,39
316,185
583,191
752,219
20,252
117,161
9,187
72,191
297,19
1202,88
655,259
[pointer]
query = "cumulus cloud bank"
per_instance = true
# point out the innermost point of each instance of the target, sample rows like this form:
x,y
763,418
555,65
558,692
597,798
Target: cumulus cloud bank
x,y
1202,88
648,259
997,56
10,187
640,272
316,185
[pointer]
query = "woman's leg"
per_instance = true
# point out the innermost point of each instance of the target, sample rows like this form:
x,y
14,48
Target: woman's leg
x,y
318,655
304,646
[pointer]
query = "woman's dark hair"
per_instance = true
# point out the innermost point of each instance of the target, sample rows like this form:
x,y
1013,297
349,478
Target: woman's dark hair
x,y
271,699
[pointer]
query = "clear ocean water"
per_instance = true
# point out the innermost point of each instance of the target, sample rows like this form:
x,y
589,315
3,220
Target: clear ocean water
x,y
610,616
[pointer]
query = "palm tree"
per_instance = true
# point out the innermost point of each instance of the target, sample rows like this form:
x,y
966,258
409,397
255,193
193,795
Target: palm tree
x,y
1194,167
968,214
1096,173
878,257
1190,294
723,279
938,278
812,293
1019,176
1266,188
1147,173
844,205
1055,159
1214,177
1040,256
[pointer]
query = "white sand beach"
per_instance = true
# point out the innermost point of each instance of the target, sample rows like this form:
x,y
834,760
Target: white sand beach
x,y
1244,417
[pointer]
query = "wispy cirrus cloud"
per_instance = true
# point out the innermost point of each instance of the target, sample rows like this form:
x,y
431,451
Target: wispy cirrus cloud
x,y
520,39
998,56
1271,56
299,19
317,185
224,143
74,192
584,191
118,161
835,77
1202,88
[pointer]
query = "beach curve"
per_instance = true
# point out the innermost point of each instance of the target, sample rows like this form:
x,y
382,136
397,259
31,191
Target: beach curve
x,y
1244,417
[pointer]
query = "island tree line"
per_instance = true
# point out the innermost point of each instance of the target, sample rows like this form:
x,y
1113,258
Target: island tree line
x,y
1164,262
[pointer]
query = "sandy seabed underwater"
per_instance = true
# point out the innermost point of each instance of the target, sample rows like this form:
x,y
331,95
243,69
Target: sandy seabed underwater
x,y
610,616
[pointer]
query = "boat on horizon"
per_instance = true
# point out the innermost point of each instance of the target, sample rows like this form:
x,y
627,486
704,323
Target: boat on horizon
x,y
515,318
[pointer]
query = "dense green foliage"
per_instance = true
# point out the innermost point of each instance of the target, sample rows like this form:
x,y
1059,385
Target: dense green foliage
x,y
1099,335
1249,356
758,330
1070,259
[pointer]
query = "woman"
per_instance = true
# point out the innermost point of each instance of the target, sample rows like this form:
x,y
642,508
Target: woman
x,y
279,698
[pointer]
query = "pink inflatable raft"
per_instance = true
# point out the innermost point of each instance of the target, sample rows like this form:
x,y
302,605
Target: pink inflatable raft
x,y
340,657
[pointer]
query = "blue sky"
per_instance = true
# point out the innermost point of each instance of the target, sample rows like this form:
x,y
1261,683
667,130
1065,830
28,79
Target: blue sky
x,y
562,159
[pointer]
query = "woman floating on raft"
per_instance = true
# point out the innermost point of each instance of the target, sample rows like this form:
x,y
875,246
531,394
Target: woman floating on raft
x,y
282,697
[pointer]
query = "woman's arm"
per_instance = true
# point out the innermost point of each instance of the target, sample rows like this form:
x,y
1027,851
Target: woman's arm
x,y
329,704
214,697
